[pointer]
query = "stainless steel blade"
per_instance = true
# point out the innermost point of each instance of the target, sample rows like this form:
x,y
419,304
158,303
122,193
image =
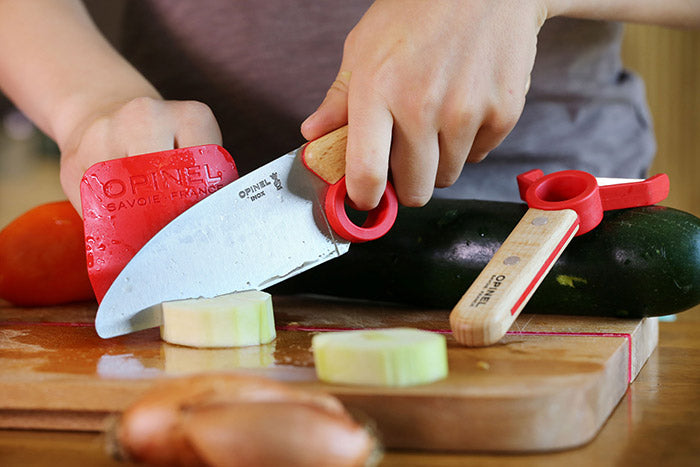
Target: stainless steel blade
x,y
606,181
258,230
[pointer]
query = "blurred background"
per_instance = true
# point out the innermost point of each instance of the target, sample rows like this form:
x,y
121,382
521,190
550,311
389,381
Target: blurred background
x,y
668,59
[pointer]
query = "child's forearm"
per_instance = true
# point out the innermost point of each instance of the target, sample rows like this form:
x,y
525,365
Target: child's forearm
x,y
57,67
673,13
64,75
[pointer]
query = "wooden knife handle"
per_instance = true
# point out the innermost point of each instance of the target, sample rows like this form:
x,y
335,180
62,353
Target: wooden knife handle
x,y
488,308
325,156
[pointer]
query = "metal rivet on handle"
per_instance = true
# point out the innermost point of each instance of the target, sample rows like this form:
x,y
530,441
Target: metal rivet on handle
x,y
511,260
539,220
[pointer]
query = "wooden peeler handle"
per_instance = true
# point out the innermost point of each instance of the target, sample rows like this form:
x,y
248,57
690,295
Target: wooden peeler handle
x,y
493,301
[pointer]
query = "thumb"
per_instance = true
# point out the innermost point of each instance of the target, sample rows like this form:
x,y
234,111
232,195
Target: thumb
x,y
333,111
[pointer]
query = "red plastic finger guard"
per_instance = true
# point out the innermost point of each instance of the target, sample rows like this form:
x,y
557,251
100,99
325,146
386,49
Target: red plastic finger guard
x,y
127,201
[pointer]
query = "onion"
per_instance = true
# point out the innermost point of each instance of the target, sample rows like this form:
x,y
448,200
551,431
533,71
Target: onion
x,y
239,420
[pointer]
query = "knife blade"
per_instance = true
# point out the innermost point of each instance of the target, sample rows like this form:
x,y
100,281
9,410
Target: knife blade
x,y
258,230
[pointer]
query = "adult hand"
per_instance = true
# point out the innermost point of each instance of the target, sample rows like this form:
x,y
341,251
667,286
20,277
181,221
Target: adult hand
x,y
425,87
138,126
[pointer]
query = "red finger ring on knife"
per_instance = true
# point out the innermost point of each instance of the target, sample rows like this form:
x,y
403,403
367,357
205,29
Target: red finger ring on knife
x,y
379,220
561,205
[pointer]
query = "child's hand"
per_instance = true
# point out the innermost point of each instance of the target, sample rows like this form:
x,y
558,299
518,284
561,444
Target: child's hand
x,y
425,87
139,126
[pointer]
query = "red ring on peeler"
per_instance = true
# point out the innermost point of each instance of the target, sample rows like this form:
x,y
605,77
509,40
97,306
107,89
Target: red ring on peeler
x,y
568,189
379,220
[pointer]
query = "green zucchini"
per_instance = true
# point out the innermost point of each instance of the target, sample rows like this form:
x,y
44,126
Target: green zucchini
x,y
638,262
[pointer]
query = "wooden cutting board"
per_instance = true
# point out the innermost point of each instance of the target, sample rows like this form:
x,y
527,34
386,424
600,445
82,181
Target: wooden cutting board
x,y
550,384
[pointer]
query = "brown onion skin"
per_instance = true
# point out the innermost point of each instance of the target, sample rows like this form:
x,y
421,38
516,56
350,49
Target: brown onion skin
x,y
276,434
239,420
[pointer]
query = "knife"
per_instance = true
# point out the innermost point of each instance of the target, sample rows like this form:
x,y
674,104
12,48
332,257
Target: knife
x,y
561,205
269,225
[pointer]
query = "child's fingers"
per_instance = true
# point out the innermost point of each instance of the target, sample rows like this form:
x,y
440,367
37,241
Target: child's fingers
x,y
333,111
414,163
195,125
367,158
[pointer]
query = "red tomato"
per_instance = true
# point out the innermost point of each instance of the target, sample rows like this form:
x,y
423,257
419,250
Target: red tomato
x,y
42,257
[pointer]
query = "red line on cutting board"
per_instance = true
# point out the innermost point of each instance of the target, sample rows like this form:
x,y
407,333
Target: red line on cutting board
x,y
46,323
624,335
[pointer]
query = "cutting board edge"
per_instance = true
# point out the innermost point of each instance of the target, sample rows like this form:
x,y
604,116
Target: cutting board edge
x,y
56,420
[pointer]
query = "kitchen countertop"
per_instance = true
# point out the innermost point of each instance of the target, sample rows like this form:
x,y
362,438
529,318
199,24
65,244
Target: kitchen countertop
x,y
656,423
